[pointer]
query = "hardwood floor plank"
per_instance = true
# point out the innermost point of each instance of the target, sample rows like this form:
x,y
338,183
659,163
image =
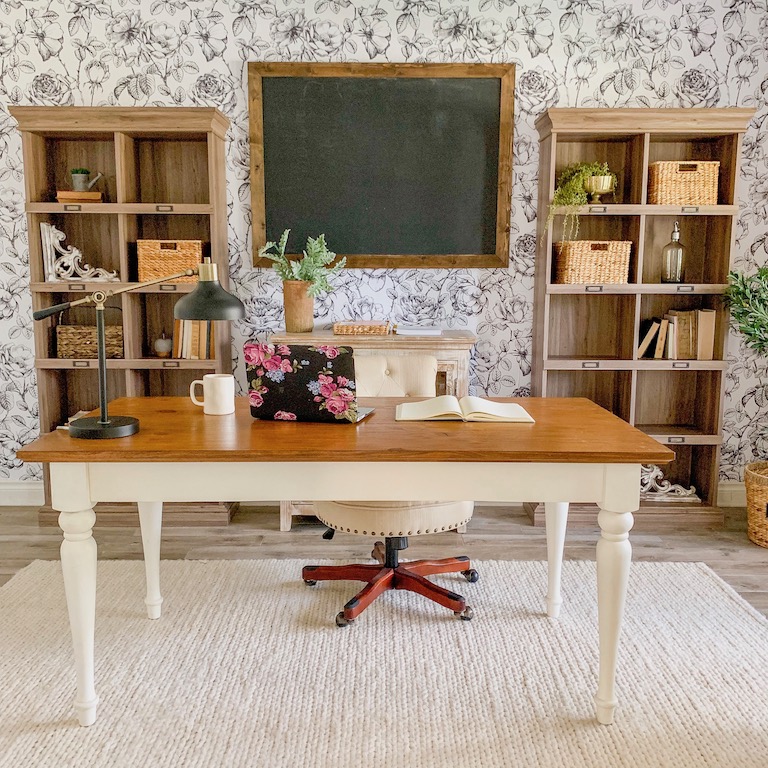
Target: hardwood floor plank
x,y
494,533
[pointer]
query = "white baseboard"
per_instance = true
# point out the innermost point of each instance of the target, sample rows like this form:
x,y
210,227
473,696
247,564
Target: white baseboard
x,y
731,493
14,493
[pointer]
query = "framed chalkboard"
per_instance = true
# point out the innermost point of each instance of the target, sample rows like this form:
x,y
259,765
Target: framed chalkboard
x,y
399,165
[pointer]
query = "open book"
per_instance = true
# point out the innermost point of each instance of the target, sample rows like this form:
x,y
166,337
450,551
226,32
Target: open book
x,y
450,408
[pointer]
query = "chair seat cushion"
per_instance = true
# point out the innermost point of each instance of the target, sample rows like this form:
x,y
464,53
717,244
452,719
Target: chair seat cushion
x,y
394,518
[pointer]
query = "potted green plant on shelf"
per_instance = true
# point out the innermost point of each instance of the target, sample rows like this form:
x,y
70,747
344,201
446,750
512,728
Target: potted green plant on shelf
x,y
747,298
303,278
575,185
80,179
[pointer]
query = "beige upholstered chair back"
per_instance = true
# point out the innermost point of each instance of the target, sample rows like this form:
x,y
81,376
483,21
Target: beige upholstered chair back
x,y
395,375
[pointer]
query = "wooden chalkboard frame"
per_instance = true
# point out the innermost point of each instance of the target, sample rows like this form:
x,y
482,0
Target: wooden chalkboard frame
x,y
257,71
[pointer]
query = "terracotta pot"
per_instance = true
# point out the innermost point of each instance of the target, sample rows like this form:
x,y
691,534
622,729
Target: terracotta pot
x,y
299,306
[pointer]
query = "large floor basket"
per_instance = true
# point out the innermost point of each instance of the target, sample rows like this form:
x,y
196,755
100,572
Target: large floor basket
x,y
756,481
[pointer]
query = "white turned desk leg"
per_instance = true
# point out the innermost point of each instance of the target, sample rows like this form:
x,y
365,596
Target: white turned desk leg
x,y
614,555
151,522
78,564
555,520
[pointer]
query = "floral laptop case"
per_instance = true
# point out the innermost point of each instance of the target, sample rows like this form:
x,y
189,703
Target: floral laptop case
x,y
301,383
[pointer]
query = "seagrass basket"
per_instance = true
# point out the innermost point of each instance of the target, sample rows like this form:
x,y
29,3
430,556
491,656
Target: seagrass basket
x,y
362,328
756,481
158,258
672,182
79,341
592,261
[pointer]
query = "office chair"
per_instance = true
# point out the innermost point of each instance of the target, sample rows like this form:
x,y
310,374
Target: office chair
x,y
395,521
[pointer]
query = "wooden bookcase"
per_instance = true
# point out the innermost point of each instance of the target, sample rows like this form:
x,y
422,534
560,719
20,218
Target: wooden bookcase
x,y
164,178
586,336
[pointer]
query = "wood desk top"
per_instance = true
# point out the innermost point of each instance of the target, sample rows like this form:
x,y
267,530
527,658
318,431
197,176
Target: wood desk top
x,y
174,430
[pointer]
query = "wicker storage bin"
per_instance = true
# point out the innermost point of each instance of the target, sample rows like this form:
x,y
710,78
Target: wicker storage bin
x,y
158,258
683,183
79,341
756,481
592,261
362,328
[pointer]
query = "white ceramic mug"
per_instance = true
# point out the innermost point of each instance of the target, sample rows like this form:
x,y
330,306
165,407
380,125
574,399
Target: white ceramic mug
x,y
218,393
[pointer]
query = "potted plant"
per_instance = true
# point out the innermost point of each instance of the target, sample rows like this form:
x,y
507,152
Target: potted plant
x,y
747,298
303,278
574,185
80,178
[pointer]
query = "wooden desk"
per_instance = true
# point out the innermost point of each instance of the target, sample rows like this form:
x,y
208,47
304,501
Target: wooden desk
x,y
451,348
576,451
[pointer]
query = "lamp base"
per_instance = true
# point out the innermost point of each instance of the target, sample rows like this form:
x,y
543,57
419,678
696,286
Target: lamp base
x,y
90,428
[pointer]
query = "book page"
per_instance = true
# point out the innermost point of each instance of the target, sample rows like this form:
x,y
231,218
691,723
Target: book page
x,y
444,407
480,409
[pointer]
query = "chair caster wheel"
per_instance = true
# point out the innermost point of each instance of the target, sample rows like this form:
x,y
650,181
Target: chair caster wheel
x,y
342,620
465,615
310,582
471,575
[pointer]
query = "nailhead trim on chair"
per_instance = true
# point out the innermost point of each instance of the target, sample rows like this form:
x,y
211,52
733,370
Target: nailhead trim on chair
x,y
394,533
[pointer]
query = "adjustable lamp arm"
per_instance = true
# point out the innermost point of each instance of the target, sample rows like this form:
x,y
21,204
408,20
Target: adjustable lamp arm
x,y
99,297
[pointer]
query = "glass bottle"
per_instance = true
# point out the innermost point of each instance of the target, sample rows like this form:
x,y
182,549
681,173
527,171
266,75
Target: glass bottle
x,y
673,259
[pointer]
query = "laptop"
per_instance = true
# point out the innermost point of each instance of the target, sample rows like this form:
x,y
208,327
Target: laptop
x,y
301,382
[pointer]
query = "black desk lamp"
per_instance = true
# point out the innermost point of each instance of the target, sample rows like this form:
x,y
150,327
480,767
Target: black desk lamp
x,y
208,301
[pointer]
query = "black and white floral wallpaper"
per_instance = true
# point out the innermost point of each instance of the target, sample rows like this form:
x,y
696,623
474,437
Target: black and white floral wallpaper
x,y
587,53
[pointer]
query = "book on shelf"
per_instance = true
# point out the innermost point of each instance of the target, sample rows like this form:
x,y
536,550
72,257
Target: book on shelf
x,y
648,331
686,333
658,352
670,347
468,408
705,336
679,335
67,196
193,340
418,330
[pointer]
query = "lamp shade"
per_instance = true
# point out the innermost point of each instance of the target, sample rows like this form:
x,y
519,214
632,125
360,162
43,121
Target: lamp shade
x,y
209,301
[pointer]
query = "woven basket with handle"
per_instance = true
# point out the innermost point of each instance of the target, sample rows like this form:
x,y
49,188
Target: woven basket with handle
x,y
683,183
756,481
79,341
592,261
158,258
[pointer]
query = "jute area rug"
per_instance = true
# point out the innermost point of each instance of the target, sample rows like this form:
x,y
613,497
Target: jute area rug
x,y
247,668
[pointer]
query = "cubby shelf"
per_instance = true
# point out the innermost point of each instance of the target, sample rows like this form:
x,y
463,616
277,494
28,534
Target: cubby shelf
x,y
163,178
585,336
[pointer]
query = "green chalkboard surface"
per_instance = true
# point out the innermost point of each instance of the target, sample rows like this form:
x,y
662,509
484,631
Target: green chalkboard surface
x,y
382,165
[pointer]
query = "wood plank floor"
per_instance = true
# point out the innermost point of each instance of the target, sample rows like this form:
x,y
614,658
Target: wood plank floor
x,y
494,533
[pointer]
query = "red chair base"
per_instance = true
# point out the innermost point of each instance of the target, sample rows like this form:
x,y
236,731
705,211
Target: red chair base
x,y
379,579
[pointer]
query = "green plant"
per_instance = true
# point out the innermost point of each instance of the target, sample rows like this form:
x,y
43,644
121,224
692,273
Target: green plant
x,y
80,170
311,266
571,195
747,297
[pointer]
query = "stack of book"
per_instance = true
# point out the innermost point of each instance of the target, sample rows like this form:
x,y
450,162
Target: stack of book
x,y
193,340
66,196
679,335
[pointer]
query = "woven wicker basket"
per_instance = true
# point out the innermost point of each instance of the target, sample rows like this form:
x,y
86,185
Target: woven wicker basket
x,y
683,183
79,341
756,481
592,261
362,328
158,258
